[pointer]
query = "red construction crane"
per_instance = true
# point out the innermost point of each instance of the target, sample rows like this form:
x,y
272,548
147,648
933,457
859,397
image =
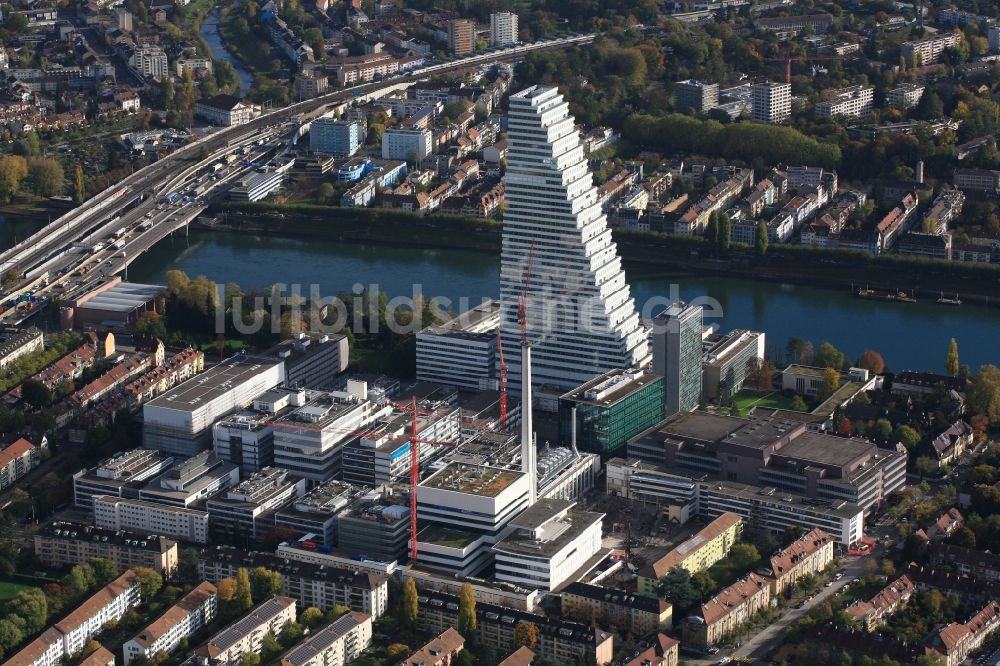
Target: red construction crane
x,y
503,384
807,58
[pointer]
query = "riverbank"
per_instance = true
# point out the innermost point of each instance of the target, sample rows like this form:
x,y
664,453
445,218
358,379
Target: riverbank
x,y
831,269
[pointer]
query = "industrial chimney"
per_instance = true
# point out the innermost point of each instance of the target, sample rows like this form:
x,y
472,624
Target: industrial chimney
x,y
528,465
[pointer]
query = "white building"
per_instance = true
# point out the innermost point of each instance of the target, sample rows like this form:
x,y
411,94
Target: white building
x,y
503,28
770,101
193,65
906,96
245,439
464,510
256,186
118,475
226,110
149,61
853,101
180,420
928,50
15,343
549,543
228,645
135,515
404,143
336,644
461,352
190,481
192,612
580,314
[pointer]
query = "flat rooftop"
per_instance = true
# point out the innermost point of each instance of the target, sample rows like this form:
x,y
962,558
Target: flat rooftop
x,y
708,427
840,509
481,320
213,383
541,512
822,449
447,536
611,387
122,298
473,479
555,536
320,410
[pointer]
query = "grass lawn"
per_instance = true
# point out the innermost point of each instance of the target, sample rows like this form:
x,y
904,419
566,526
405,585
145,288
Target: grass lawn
x,y
725,572
862,591
746,399
8,589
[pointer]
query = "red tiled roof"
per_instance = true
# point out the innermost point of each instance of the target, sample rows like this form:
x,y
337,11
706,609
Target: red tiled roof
x,y
14,451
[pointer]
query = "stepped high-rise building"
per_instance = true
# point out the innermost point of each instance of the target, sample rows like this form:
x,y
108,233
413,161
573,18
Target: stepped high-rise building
x,y
582,320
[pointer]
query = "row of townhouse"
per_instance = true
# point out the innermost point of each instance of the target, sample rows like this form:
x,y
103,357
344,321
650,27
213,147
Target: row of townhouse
x,y
179,367
870,613
191,612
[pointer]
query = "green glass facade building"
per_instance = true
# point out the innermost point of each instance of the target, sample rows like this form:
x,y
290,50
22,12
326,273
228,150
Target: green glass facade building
x,y
610,410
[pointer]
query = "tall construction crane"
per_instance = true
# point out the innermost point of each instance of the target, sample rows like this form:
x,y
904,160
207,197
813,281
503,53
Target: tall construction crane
x,y
807,58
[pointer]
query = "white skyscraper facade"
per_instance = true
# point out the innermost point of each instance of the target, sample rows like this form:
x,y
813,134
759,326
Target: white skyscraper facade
x,y
581,318
503,28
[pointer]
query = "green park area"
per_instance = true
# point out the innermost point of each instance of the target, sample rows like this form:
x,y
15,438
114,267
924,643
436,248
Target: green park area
x,y
746,400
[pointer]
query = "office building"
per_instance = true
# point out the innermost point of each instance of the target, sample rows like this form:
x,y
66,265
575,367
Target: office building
x,y
558,640
245,439
771,451
905,95
462,351
115,513
464,510
313,360
853,101
980,180
770,101
63,544
927,51
676,341
321,585
244,514
695,95
727,612
17,459
580,315
808,555
503,28
256,186
191,481
462,36
335,137
550,541
192,612
377,527
227,646
180,421
15,342
226,110
315,513
336,644
69,635
603,414
121,475
726,360
697,553
607,607
405,143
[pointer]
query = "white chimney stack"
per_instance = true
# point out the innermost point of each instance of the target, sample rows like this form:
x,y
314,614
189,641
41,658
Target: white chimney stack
x,y
528,465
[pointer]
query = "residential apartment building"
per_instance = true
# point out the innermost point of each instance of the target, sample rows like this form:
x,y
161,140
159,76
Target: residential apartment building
x,y
116,513
607,607
440,651
559,640
69,636
727,611
697,553
226,110
808,555
929,246
404,143
503,28
955,641
191,612
927,51
462,36
770,101
676,346
227,646
853,101
662,651
335,137
63,544
336,644
310,83
906,95
17,459
149,61
696,95
946,207
15,343
462,351
872,612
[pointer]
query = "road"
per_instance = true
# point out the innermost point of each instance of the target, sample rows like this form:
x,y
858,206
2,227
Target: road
x,y
54,250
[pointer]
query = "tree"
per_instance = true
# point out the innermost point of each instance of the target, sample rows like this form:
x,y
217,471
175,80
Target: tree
x,y
91,647
250,659
104,570
828,356
467,612
79,185
150,582
983,395
908,436
226,590
704,583
951,364
760,373
396,652
46,176
744,555
526,635
10,634
264,583
762,240
410,606
831,382
243,597
291,634
312,617
676,588
725,232
882,430
35,393
269,648
31,606
872,361
79,581
325,192
888,568
798,404
167,91
13,169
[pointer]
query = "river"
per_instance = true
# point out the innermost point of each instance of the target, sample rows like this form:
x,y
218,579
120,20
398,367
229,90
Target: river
x,y
210,33
909,336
